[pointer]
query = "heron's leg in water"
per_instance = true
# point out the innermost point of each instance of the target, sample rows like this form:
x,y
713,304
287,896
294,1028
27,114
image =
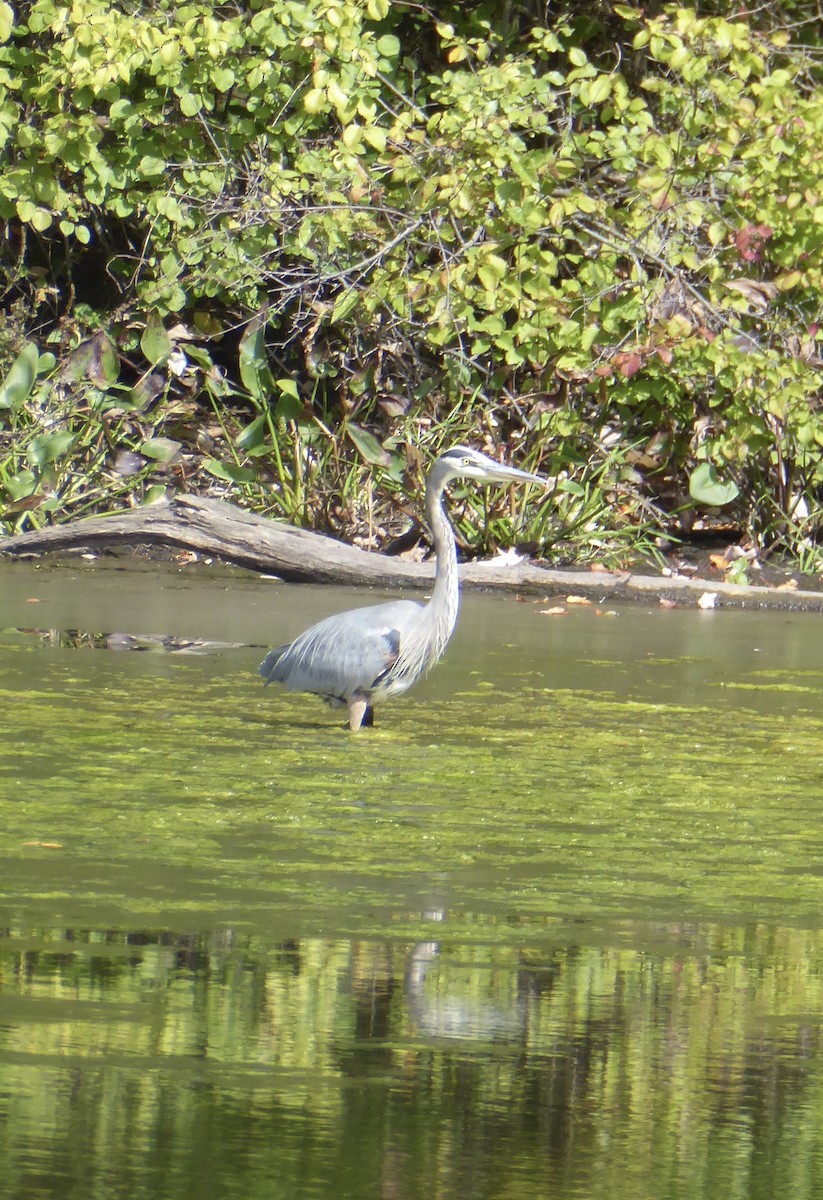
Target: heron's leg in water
x,y
361,713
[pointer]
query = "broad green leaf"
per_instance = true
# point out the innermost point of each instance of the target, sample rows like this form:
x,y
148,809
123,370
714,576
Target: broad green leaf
x,y
336,95
368,445
190,105
495,267
352,136
600,89
680,56
254,366
39,218
376,137
103,367
155,342
120,108
315,100
20,486
706,487
49,447
737,573
223,78
167,206
230,472
150,164
16,387
6,21
154,494
159,449
345,305
254,434
290,406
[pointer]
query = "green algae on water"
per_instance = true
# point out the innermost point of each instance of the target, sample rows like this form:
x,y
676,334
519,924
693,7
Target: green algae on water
x,y
172,785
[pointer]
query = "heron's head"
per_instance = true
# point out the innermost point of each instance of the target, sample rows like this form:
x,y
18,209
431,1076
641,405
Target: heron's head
x,y
461,462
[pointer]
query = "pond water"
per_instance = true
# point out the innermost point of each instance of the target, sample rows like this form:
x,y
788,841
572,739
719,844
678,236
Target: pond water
x,y
553,929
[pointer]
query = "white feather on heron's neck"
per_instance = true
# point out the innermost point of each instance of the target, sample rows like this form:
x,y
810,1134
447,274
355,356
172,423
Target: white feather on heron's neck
x,y
440,614
425,642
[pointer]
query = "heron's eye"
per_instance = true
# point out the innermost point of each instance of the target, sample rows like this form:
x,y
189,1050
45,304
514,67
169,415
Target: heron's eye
x,y
467,462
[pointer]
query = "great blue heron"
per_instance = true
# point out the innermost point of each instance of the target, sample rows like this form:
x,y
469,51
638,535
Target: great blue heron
x,y
356,658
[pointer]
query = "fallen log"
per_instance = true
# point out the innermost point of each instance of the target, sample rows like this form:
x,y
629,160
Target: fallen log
x,y
214,527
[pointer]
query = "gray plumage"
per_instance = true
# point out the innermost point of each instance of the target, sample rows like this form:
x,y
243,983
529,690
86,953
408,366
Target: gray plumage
x,y
368,654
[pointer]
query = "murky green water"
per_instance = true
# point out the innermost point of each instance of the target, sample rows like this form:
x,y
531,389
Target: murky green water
x,y
553,929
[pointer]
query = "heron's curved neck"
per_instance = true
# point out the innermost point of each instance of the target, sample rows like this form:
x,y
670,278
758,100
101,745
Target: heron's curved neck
x,y
446,594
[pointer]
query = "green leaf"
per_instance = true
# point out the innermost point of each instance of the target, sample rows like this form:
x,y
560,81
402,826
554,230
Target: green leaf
x,y
737,573
47,448
254,366
103,367
155,342
254,434
159,449
150,164
189,104
154,494
16,387
368,446
20,486
290,406
345,305
600,89
6,22
376,137
223,78
230,472
706,487
388,45
314,100
41,220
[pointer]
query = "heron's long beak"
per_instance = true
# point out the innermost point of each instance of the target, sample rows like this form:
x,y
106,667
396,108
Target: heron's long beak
x,y
503,474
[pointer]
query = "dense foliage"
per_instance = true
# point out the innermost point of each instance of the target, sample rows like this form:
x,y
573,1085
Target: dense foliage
x,y
281,242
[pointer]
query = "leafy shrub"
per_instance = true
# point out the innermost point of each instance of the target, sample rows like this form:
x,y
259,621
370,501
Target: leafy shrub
x,y
439,219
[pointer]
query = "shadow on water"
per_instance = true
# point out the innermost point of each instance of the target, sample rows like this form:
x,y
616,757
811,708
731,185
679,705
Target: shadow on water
x,y
552,929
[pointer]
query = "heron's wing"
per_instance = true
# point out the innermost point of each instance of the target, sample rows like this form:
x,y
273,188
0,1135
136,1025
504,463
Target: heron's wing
x,y
344,654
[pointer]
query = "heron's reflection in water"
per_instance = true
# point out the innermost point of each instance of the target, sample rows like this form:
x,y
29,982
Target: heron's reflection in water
x,y
442,1006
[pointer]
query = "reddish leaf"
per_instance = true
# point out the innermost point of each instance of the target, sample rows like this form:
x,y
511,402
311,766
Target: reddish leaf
x,y
628,364
750,241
